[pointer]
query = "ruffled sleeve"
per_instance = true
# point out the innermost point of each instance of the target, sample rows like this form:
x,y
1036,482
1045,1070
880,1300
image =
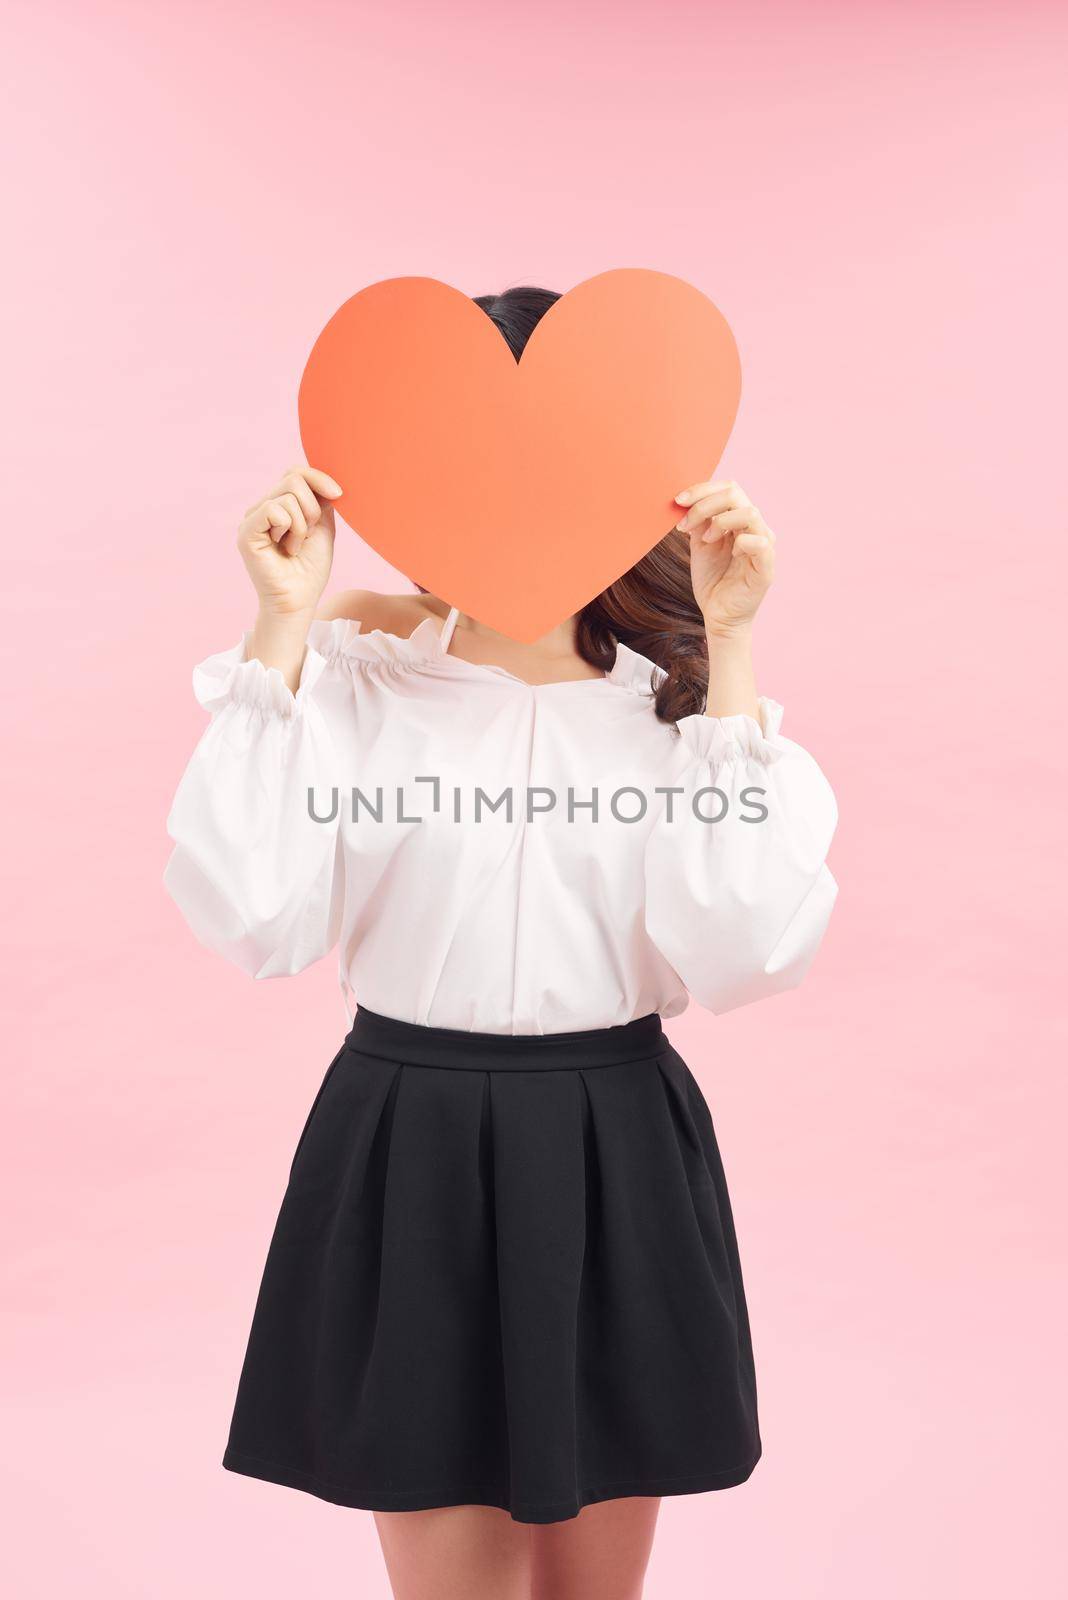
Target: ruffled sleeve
x,y
738,893
256,877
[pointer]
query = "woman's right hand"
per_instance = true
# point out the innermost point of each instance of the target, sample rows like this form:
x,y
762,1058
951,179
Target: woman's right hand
x,y
286,541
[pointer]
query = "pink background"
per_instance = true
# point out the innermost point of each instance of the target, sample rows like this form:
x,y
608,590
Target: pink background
x,y
871,195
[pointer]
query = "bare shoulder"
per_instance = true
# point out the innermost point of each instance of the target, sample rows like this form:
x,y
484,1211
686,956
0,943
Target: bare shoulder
x,y
392,613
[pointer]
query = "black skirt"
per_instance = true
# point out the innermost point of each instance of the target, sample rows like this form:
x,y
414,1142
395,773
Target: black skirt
x,y
504,1273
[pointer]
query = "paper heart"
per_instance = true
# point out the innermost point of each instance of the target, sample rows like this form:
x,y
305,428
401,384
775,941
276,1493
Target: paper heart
x,y
519,491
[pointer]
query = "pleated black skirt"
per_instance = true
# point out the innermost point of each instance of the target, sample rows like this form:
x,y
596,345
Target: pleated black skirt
x,y
504,1273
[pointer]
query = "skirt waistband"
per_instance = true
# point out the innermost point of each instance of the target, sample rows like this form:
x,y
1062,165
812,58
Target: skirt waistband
x,y
416,1045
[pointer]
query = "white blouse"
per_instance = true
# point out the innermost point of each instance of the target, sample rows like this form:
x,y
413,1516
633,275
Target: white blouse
x,y
491,855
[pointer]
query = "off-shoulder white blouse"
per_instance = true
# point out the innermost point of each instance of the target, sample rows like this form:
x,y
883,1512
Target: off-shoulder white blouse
x,y
491,855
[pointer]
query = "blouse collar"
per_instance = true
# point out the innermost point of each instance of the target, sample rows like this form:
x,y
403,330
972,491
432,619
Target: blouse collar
x,y
423,648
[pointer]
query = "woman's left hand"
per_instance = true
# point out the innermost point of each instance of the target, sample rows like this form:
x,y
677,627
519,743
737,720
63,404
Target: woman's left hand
x,y
732,554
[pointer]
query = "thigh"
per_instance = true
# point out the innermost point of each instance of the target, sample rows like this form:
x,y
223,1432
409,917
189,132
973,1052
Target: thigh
x,y
601,1554
455,1553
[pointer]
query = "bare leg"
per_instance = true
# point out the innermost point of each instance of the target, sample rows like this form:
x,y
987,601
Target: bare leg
x,y
455,1553
601,1554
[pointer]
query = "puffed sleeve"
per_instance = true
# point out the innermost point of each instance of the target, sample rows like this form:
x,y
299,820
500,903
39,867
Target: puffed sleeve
x,y
256,877
738,893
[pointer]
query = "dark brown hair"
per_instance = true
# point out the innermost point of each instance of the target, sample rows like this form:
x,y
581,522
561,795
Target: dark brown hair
x,y
651,607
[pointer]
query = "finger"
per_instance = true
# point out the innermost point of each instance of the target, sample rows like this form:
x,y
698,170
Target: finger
x,y
283,518
283,487
686,497
298,523
723,517
273,518
254,523
306,498
756,545
295,482
736,520
711,505
702,510
697,491
320,483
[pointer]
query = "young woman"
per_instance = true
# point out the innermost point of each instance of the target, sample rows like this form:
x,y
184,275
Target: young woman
x,y
502,1306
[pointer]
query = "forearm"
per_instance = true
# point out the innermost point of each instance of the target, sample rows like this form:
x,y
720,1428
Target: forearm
x,y
280,641
731,682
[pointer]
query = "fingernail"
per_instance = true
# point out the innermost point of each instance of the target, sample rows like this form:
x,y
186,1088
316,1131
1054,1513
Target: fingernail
x,y
684,498
683,524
